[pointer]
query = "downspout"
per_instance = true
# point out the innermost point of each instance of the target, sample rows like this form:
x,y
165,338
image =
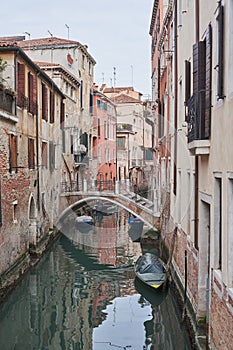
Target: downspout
x,y
196,157
15,78
175,98
37,158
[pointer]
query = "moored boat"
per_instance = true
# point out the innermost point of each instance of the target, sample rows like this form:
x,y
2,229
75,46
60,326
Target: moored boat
x,y
151,270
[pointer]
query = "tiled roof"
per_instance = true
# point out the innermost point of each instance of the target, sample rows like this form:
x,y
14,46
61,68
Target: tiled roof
x,y
47,64
8,43
117,89
50,41
122,98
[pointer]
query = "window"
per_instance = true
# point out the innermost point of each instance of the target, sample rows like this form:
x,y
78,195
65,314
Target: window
x,y
187,81
15,204
98,127
44,155
105,129
81,94
220,44
62,114
51,107
44,102
83,61
31,154
51,156
218,223
0,201
21,85
89,68
13,153
63,141
71,144
230,228
121,142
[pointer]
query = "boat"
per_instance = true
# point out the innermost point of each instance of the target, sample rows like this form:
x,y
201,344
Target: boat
x,y
106,207
135,229
151,270
84,223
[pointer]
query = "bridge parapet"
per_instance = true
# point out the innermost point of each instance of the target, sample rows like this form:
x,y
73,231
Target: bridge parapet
x,y
135,204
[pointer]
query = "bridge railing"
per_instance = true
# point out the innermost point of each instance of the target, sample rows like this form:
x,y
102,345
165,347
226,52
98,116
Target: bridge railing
x,y
92,185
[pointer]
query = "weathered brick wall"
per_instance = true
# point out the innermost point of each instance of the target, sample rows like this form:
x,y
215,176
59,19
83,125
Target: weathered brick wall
x,y
221,326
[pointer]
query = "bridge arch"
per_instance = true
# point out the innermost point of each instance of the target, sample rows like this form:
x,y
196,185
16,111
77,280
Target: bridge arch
x,y
68,210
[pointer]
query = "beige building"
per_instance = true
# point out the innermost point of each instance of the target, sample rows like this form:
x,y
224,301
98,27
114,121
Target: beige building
x,y
135,138
70,65
201,201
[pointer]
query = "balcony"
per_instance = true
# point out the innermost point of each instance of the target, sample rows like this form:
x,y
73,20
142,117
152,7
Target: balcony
x,y
198,119
136,163
124,127
7,100
81,160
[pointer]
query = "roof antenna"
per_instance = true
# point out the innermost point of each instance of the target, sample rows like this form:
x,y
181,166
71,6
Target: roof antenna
x,y
50,33
68,29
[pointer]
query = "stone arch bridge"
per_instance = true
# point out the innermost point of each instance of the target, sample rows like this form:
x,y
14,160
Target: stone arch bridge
x,y
138,206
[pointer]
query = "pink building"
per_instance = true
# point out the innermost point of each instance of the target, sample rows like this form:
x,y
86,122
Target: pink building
x,y
104,140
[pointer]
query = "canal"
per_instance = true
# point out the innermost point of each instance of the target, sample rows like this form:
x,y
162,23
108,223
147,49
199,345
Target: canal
x,y
83,295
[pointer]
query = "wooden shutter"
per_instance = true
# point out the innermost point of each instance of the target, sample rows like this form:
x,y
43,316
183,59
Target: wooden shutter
x,y
187,81
44,102
31,154
44,155
34,94
62,114
13,153
220,70
51,156
52,104
0,201
81,94
20,84
30,92
207,123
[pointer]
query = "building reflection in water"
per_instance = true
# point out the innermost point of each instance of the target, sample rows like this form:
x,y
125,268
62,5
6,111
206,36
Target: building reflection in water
x,y
82,295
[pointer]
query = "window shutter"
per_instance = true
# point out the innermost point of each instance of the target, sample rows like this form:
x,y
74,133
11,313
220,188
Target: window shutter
x,y
207,123
220,19
81,94
44,102
51,112
20,84
62,114
187,81
13,153
30,92
0,202
34,94
31,162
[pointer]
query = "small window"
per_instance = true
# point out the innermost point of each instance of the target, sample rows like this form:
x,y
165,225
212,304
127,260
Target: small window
x,y
31,154
15,212
13,153
121,142
44,155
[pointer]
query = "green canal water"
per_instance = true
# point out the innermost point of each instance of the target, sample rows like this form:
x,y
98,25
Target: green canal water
x,y
83,295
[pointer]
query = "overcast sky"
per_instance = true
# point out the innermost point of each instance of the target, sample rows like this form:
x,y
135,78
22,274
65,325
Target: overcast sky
x,y
116,32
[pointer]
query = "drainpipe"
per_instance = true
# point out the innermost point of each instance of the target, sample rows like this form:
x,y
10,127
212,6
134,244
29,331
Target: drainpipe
x,y
175,97
196,157
37,158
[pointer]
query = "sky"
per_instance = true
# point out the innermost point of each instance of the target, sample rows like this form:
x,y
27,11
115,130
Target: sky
x,y
116,32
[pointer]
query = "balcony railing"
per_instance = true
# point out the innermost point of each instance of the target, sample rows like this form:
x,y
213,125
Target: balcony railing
x,y
7,100
196,117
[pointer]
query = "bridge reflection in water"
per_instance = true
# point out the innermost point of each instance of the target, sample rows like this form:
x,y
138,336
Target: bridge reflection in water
x,y
83,295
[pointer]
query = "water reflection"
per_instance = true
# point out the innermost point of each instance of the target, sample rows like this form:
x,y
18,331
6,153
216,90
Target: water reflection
x,y
83,295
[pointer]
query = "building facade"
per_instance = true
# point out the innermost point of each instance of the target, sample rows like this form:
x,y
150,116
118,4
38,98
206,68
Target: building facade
x,y
31,115
104,140
200,176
